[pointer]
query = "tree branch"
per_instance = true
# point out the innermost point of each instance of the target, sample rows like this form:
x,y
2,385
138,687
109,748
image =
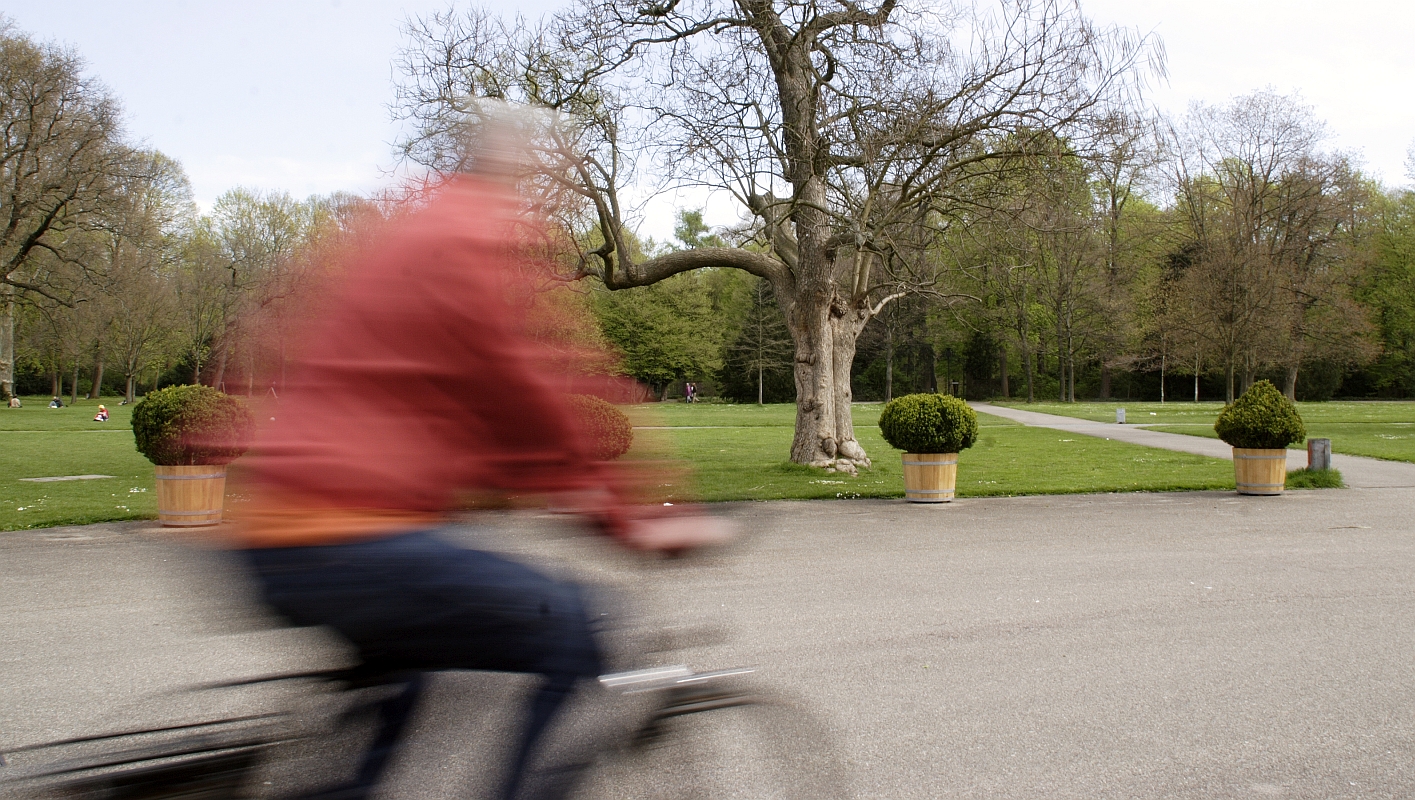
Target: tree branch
x,y
660,267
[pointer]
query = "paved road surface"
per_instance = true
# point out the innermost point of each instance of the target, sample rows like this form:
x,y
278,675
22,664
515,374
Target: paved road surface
x,y
1198,645
1358,472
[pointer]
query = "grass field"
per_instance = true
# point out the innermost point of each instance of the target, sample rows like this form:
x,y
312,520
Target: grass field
x,y
739,452
37,441
735,453
1378,429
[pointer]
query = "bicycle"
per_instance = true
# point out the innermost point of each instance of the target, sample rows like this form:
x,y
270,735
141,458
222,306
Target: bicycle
x,y
679,734
761,748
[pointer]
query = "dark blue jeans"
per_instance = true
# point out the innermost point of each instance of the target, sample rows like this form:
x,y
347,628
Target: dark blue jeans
x,y
416,603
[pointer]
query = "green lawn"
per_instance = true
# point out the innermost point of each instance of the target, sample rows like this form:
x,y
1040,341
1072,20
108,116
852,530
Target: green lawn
x,y
745,458
736,453
1379,429
37,441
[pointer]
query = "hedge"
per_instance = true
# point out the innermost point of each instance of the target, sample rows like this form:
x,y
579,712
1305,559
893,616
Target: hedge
x,y
928,423
608,428
191,425
1262,418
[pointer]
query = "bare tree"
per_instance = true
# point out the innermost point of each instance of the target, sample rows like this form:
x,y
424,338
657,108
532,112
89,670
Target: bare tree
x,y
850,134
1033,251
199,288
296,288
1265,215
149,213
57,130
1318,240
1173,332
257,237
1124,162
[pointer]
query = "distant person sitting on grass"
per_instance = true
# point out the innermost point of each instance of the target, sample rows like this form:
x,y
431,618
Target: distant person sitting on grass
x,y
15,401
56,403
102,415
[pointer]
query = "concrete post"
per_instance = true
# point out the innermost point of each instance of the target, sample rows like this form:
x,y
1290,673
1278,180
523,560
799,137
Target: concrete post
x,y
1319,454
1120,416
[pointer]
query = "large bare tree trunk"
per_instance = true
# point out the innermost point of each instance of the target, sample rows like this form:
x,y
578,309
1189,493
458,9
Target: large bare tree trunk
x,y
815,94
1289,387
7,341
825,349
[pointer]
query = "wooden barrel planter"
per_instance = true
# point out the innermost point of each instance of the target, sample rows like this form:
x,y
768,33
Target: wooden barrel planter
x,y
930,477
1259,471
190,497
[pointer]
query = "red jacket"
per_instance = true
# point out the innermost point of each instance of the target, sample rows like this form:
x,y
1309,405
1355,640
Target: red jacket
x,y
419,388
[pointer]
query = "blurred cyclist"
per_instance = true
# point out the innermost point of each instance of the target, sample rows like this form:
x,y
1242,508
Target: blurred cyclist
x,y
419,389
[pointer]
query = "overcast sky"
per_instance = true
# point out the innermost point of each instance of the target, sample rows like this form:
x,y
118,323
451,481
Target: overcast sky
x,y
292,94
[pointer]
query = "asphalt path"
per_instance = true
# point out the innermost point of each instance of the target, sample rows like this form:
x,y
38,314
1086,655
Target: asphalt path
x,y
1097,646
1357,472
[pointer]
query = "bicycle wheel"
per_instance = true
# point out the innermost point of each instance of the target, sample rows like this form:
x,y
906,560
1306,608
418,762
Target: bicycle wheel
x,y
760,750
208,760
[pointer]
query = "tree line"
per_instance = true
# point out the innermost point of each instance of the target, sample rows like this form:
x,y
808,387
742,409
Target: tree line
x,y
112,280
967,195
996,219
1080,301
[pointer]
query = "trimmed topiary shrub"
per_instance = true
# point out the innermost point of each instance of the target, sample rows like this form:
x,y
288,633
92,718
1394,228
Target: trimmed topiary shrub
x,y
191,425
928,423
608,428
1262,418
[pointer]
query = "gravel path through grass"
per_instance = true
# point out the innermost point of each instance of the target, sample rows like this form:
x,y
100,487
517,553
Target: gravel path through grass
x,y
1358,472
1382,429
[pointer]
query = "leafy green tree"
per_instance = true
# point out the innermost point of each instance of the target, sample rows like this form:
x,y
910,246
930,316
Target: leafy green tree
x,y
1267,214
757,363
693,233
59,150
1039,258
257,238
851,134
666,332
1388,289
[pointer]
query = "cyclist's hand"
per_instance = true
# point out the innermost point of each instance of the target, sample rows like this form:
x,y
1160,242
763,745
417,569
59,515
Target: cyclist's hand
x,y
678,534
